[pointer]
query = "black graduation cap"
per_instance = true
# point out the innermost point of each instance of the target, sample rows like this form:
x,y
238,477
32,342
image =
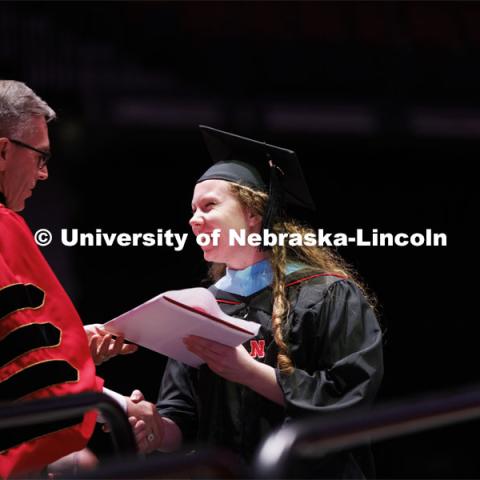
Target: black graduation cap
x,y
261,166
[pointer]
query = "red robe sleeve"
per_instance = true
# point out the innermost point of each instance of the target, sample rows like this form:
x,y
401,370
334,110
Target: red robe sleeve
x,y
43,351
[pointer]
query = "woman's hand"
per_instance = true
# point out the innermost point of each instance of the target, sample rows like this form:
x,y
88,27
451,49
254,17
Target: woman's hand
x,y
236,364
232,363
103,346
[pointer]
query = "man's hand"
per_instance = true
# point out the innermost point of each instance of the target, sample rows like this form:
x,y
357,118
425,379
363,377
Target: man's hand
x,y
103,346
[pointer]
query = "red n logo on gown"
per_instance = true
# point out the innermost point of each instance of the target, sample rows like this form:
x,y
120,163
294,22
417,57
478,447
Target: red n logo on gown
x,y
257,348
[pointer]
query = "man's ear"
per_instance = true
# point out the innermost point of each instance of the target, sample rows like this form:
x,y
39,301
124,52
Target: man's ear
x,y
4,145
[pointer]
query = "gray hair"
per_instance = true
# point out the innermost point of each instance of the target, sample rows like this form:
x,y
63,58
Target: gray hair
x,y
17,105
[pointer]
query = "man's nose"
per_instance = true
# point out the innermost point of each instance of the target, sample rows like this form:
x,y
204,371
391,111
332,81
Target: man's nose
x,y
43,173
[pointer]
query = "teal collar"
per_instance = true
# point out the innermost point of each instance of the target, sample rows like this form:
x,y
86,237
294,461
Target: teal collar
x,y
252,279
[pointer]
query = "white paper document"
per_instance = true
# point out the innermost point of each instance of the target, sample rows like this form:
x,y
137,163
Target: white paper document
x,y
161,323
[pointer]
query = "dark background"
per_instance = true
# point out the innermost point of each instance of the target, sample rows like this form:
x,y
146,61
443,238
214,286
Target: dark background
x,y
380,101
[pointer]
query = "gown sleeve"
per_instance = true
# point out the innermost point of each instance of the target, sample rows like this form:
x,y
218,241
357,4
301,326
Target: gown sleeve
x,y
177,398
43,352
336,345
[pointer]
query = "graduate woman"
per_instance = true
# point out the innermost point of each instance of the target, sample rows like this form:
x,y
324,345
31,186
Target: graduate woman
x,y
319,348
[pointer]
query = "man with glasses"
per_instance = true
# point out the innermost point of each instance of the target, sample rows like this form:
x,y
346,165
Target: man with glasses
x,y
43,158
44,349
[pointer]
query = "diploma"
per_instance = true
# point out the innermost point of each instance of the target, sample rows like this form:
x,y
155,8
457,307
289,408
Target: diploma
x,y
161,323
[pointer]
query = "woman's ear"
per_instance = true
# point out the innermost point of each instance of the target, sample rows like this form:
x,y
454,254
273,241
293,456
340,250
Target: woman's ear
x,y
253,219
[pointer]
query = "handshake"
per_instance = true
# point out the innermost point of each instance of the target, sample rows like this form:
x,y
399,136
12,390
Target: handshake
x,y
152,431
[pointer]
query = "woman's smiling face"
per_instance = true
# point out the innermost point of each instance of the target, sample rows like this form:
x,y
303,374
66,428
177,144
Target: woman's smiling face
x,y
214,207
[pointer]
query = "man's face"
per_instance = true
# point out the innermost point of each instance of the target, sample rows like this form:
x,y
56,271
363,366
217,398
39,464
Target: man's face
x,y
19,170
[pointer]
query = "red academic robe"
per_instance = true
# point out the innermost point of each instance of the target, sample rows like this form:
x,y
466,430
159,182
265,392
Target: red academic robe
x,y
43,351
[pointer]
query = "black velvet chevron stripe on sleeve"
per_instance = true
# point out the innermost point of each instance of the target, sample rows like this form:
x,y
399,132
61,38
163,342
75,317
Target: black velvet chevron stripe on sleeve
x,y
36,377
20,296
27,338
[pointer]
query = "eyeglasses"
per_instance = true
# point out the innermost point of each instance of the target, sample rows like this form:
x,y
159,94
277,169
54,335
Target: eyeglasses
x,y
44,155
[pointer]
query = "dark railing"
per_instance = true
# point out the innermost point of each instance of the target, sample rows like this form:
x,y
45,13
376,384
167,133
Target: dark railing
x,y
320,436
59,408
312,437
207,463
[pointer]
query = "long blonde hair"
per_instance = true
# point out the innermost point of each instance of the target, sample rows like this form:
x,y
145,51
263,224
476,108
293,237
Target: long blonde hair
x,y
320,259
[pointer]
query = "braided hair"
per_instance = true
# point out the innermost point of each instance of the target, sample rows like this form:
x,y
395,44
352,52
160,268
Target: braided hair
x,y
318,258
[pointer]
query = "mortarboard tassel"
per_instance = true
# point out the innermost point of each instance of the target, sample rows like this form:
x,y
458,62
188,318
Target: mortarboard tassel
x,y
274,205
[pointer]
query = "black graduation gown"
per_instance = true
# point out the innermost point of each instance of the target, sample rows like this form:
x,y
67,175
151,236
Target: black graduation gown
x,y
336,347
